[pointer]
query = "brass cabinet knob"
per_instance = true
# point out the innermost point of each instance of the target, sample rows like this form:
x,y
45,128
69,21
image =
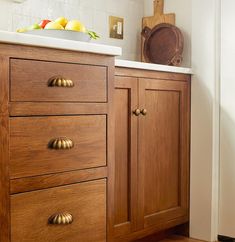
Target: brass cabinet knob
x,y
61,144
144,111
60,82
136,112
61,219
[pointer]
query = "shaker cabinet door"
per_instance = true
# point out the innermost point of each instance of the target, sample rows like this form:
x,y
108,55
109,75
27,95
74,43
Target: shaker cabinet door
x,y
163,148
125,192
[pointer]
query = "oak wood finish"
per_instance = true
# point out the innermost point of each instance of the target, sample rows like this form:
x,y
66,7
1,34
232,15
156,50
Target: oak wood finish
x,y
86,202
163,159
57,179
177,238
95,118
111,152
4,152
32,84
162,235
36,109
162,136
30,152
168,236
54,55
140,234
126,219
92,110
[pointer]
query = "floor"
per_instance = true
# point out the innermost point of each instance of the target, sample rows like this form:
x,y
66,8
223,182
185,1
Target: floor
x,y
176,238
172,238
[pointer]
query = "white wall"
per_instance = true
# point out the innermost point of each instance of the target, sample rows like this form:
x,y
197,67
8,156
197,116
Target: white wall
x,y
93,13
182,9
227,154
205,120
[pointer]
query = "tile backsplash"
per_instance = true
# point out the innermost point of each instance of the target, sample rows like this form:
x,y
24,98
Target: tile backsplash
x,y
93,13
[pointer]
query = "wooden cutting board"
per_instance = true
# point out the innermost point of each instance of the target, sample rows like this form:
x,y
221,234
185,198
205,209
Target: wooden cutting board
x,y
159,17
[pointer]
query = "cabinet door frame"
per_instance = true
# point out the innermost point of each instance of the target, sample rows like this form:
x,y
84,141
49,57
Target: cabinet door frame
x,y
131,84
182,210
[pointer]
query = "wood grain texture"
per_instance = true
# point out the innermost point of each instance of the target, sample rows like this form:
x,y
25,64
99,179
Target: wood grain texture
x,y
30,154
125,100
54,180
151,230
110,152
177,238
44,108
85,201
163,151
54,55
96,66
4,152
163,45
167,236
163,163
122,165
161,154
160,236
31,84
159,17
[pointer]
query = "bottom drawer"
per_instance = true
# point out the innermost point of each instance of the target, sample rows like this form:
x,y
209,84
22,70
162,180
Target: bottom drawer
x,y
39,216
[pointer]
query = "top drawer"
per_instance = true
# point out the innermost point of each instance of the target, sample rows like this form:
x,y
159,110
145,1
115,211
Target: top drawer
x,y
56,82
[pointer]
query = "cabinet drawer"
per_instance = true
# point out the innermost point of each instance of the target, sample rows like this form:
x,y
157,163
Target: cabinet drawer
x,y
33,214
60,82
44,145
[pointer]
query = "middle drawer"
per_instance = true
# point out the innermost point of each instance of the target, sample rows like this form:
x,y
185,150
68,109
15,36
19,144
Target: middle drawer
x,y
44,145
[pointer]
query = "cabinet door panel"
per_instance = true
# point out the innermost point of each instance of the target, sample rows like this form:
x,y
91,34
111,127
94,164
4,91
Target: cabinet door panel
x,y
161,136
125,155
163,150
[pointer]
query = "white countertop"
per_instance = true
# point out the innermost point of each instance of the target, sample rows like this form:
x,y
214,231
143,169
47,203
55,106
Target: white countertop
x,y
153,67
48,42
32,40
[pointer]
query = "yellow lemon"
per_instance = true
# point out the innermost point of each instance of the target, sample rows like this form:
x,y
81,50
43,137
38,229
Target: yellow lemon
x,y
54,25
75,25
62,21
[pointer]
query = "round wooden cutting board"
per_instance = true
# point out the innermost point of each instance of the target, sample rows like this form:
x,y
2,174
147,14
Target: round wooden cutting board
x,y
163,44
159,17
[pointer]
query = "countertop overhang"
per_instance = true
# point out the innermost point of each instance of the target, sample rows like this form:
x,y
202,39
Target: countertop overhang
x,y
55,43
152,67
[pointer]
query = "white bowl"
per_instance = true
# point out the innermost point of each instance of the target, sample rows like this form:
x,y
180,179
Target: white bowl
x,y
61,34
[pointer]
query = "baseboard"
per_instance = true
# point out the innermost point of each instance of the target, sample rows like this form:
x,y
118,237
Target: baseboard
x,y
225,238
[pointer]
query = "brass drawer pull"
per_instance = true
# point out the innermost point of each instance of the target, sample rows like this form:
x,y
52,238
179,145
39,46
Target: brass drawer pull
x,y
144,112
60,82
61,144
136,112
61,219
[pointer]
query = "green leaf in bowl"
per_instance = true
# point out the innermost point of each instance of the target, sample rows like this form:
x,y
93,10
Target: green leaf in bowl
x,y
93,35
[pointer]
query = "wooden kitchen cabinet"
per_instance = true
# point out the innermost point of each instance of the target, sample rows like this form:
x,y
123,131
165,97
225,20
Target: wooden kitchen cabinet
x,y
152,152
57,149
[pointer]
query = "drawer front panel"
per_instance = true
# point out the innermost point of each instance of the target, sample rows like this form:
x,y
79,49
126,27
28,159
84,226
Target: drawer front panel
x,y
35,149
34,214
57,82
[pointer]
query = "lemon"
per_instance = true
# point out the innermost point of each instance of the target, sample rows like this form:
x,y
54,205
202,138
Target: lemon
x,y
75,25
62,21
54,25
